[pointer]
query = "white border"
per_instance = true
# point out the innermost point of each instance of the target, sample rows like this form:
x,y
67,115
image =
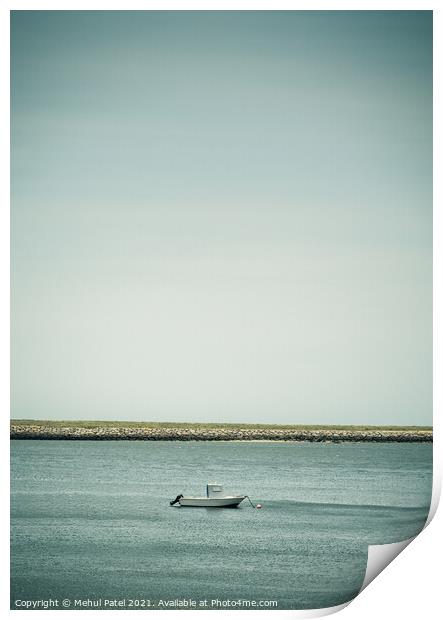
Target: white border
x,y
409,586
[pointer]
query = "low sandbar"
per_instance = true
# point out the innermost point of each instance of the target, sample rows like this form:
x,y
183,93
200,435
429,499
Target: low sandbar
x,y
170,431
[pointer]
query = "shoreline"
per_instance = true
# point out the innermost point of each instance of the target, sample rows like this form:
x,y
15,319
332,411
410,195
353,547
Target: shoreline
x,y
133,432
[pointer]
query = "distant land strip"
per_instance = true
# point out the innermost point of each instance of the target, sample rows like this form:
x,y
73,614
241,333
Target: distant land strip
x,y
181,431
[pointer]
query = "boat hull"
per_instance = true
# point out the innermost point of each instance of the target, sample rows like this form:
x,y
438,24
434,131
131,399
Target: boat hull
x,y
212,502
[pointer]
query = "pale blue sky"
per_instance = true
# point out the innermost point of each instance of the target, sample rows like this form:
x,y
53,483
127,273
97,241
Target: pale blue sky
x,y
222,216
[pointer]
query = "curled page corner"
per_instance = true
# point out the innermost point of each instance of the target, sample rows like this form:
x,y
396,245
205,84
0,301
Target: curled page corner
x,y
380,556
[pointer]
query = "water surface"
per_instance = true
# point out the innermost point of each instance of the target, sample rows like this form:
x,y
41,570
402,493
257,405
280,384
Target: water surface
x,y
91,519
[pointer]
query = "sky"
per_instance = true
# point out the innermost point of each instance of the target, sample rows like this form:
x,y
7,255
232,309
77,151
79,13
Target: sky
x,y
222,216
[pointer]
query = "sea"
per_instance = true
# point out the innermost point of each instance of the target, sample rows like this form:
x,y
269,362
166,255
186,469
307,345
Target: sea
x,y
91,524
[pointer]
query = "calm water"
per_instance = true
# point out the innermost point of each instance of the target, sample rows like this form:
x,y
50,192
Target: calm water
x,y
92,519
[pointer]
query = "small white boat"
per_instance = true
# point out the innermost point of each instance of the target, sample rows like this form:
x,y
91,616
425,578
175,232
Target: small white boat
x,y
215,498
